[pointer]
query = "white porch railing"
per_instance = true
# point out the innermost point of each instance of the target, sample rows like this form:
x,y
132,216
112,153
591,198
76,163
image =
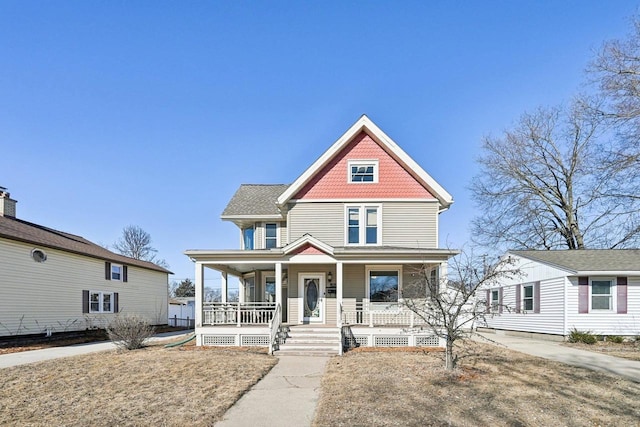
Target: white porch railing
x,y
274,328
245,313
366,314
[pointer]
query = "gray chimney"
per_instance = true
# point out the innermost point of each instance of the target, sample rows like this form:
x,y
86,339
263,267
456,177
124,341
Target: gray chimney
x,y
7,204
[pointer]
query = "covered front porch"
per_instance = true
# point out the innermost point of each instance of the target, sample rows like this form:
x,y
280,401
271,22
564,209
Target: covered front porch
x,y
357,290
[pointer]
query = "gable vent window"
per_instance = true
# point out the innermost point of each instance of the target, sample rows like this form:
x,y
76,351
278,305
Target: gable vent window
x,y
38,255
363,171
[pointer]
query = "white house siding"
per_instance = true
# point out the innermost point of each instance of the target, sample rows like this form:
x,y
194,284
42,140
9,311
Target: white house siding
x,y
410,224
36,296
605,322
550,320
282,233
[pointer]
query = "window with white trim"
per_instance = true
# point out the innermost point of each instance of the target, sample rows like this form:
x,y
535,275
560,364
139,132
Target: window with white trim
x,y
270,235
495,300
383,285
527,298
362,225
363,171
247,238
601,295
101,302
116,272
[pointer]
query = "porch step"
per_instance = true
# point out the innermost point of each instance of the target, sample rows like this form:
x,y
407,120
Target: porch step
x,y
310,341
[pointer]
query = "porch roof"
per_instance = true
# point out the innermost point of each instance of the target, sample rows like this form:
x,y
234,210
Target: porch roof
x,y
242,261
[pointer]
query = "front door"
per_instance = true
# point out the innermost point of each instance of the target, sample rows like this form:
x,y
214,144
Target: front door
x,y
312,297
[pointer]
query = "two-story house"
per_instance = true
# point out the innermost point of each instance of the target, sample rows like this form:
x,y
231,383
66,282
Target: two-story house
x,y
52,281
333,249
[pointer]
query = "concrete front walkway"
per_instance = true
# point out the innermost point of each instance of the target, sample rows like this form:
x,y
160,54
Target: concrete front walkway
x,y
24,357
553,350
286,396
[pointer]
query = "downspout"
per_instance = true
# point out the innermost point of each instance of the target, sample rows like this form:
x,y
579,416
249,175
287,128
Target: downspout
x,y
565,314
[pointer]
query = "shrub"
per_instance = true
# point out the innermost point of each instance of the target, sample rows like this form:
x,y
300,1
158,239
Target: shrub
x,y
615,339
585,337
129,331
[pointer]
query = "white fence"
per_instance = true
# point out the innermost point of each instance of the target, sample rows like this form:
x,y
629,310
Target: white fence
x,y
249,313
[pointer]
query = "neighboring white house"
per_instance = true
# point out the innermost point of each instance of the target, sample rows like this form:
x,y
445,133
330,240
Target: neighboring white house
x,y
336,248
182,311
52,281
587,290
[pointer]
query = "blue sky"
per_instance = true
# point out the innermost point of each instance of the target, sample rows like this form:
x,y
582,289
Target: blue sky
x,y
153,113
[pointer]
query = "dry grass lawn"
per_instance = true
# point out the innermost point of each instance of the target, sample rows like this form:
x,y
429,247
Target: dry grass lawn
x,y
149,387
493,387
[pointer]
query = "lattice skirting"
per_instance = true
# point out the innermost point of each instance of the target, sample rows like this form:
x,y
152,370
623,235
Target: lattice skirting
x,y
427,341
254,340
232,340
221,340
391,341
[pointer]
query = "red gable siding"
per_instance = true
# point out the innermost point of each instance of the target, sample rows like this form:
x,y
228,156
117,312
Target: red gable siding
x,y
393,180
308,249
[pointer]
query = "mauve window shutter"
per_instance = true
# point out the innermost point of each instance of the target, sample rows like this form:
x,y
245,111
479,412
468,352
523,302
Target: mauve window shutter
x,y
621,285
125,272
115,302
536,297
518,296
85,301
500,300
488,302
583,294
107,270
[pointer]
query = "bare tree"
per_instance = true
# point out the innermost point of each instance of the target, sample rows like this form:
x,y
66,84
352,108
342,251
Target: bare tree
x,y
212,295
615,72
136,243
451,307
543,185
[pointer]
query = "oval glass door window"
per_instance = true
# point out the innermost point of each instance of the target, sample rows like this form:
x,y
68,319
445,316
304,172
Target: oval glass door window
x,y
312,295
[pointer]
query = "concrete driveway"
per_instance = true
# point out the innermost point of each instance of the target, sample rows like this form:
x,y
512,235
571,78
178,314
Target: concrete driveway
x,y
552,350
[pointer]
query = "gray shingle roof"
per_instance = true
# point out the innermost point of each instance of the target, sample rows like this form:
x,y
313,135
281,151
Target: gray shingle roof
x,y
588,259
255,199
23,231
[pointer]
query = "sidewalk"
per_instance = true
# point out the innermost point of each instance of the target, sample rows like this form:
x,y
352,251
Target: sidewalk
x,y
32,356
629,369
286,396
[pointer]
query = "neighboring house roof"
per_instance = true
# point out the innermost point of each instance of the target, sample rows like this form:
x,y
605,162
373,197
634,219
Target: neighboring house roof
x,y
23,231
255,200
590,260
364,124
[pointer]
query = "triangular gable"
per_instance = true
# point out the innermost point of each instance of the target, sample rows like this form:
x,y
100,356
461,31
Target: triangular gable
x,y
308,245
365,132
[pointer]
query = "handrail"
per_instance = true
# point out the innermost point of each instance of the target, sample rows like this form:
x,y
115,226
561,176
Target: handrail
x,y
274,327
238,313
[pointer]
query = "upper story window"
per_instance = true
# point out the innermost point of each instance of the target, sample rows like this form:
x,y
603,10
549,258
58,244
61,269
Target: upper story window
x,y
363,170
270,235
363,225
247,237
116,272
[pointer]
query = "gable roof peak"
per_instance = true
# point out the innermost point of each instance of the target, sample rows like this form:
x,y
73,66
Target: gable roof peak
x,y
365,124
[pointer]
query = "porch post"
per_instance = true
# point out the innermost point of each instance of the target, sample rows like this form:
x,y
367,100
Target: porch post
x,y
199,297
241,290
279,287
339,293
223,286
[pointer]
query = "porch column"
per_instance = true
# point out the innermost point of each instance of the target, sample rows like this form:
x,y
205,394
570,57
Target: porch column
x,y
199,294
279,287
241,290
339,293
223,287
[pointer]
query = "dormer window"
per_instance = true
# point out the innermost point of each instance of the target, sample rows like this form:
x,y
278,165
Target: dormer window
x,y
363,171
